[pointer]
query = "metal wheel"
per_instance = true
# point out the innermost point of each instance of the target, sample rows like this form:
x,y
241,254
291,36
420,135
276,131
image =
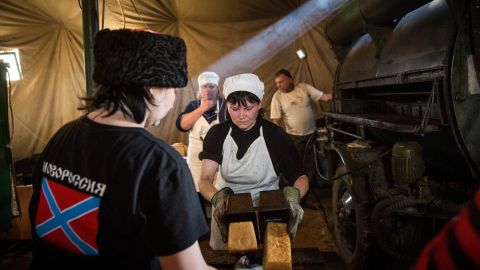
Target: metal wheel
x,y
350,222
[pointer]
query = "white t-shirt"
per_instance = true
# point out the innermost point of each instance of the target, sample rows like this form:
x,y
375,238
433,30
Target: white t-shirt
x,y
295,108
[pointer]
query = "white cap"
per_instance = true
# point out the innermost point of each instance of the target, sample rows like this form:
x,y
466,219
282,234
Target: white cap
x,y
247,82
208,77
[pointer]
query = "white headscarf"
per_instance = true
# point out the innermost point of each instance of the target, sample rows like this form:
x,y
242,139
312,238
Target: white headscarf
x,y
244,82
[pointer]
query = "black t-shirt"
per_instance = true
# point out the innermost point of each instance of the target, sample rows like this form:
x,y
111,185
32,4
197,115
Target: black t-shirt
x,y
280,147
117,194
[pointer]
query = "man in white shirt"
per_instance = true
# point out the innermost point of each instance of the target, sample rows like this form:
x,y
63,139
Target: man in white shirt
x,y
292,105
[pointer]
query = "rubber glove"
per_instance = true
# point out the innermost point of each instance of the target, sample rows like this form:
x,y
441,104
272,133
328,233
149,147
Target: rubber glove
x,y
244,263
292,194
219,201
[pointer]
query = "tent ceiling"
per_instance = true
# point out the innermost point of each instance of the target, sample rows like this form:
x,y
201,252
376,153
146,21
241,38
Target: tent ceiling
x,y
49,35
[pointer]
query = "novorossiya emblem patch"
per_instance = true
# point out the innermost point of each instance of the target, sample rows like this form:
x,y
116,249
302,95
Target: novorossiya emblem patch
x,y
67,218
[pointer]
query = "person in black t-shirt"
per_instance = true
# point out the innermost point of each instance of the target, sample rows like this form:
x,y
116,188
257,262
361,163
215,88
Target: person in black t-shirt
x,y
251,154
107,194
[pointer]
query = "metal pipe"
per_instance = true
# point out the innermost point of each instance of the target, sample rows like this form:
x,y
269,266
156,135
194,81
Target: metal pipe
x,y
475,13
351,21
90,28
379,12
345,132
346,25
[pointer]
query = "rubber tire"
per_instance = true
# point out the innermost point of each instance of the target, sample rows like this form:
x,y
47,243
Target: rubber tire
x,y
355,256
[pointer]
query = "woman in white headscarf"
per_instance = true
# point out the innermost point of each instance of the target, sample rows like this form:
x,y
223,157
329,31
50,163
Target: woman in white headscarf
x,y
250,154
198,117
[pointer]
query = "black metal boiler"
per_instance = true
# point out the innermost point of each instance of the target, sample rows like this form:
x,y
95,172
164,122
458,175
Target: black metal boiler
x,y
403,143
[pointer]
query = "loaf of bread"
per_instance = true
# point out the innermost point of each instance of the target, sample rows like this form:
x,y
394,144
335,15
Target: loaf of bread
x,y
241,238
181,148
277,249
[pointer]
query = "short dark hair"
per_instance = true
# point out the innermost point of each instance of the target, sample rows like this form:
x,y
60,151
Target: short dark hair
x,y
283,72
129,99
241,98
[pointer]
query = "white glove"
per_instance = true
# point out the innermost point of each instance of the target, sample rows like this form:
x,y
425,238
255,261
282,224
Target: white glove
x,y
244,263
219,201
293,197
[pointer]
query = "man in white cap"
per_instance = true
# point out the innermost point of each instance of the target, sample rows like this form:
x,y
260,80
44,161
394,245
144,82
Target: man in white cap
x,y
198,117
245,149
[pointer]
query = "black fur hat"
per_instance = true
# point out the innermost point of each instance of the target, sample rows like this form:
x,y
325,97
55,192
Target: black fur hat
x,y
125,56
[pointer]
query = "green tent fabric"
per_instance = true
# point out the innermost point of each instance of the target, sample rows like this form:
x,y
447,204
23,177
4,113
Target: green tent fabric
x,y
226,36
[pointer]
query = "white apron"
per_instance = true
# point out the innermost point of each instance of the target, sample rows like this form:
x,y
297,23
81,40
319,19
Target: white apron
x,y
253,173
195,145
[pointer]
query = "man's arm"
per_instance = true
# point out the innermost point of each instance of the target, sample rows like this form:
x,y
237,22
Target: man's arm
x,y
314,93
326,97
276,111
278,122
205,184
188,120
189,258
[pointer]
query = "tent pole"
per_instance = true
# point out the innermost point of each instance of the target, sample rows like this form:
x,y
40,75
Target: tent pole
x,y
5,154
90,28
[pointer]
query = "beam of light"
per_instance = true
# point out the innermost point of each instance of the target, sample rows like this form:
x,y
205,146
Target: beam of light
x,y
275,38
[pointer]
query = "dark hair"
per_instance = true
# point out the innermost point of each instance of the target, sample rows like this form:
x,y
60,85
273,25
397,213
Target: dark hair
x,y
242,97
283,72
130,99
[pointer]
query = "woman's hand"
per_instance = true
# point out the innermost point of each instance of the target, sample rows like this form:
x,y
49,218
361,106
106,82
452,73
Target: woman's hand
x,y
293,197
219,202
206,104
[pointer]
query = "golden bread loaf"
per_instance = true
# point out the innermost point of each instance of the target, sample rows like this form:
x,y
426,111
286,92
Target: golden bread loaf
x,y
181,148
277,249
241,238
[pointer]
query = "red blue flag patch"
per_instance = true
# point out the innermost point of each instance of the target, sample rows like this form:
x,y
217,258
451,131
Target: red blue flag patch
x,y
67,218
